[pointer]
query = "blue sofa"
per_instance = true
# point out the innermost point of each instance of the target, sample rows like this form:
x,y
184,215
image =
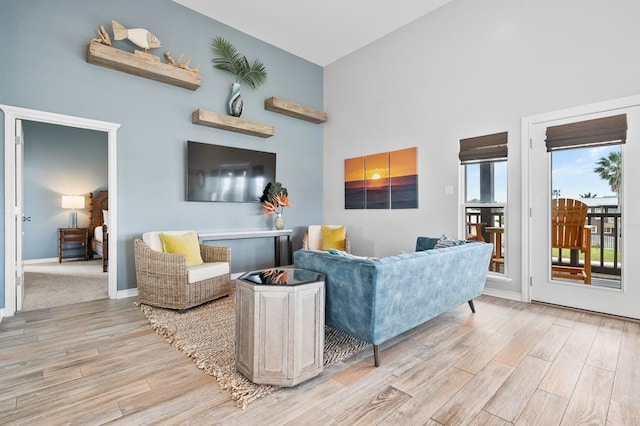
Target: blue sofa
x,y
377,299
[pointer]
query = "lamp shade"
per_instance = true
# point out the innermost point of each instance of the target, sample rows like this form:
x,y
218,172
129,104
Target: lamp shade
x,y
72,201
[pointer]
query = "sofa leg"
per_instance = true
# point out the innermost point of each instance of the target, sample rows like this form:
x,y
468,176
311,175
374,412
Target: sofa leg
x,y
376,355
473,308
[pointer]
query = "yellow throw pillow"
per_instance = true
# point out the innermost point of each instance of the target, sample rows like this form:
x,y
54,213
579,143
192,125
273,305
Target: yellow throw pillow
x,y
333,238
186,244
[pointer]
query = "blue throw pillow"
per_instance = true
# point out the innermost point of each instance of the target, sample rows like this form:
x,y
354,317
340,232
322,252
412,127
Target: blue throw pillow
x,y
337,252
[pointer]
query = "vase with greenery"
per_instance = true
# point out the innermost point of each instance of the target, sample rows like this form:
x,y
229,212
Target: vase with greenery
x,y
229,60
274,199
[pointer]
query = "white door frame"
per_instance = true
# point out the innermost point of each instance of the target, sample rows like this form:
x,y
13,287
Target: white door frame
x,y
527,125
11,114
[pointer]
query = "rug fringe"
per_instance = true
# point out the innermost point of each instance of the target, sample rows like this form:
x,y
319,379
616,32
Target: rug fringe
x,y
338,346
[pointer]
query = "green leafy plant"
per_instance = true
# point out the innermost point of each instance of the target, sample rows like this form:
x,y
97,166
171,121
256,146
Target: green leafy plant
x,y
274,198
229,60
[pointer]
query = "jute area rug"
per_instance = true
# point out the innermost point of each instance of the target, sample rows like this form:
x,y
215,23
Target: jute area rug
x,y
207,335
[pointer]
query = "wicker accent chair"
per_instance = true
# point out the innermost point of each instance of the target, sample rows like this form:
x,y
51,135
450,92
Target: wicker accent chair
x,y
166,281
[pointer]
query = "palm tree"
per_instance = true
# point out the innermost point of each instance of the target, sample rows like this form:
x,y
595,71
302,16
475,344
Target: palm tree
x,y
587,195
609,169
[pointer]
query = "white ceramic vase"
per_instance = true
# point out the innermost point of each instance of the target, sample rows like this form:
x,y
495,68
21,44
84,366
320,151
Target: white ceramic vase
x,y
278,222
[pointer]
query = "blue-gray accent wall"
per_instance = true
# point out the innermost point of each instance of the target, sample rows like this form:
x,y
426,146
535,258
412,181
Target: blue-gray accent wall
x,y
58,160
44,46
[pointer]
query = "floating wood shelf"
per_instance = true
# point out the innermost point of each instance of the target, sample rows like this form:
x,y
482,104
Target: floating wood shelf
x,y
293,109
233,124
119,60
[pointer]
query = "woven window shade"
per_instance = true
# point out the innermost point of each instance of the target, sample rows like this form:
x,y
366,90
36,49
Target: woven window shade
x,y
599,131
483,148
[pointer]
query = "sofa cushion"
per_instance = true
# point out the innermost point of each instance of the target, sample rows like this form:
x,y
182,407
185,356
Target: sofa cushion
x,y
445,241
206,271
333,237
186,244
348,255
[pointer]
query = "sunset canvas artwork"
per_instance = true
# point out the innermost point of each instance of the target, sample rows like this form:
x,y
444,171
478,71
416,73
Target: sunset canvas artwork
x,y
377,181
382,181
354,183
403,173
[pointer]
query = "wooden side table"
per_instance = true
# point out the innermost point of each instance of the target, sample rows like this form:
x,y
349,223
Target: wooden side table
x,y
280,326
73,243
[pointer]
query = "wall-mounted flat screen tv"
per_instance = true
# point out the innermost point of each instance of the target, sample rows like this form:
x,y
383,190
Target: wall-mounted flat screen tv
x,y
227,174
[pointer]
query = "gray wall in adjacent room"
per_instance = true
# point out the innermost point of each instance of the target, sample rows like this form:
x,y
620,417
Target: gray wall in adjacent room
x,y
58,160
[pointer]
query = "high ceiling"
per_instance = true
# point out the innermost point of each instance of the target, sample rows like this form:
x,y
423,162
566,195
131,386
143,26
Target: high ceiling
x,y
319,31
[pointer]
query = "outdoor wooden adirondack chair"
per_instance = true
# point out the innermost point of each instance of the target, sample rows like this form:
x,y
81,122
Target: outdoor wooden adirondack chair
x,y
569,232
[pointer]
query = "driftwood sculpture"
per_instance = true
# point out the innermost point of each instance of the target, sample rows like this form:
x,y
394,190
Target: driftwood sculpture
x,y
104,36
180,64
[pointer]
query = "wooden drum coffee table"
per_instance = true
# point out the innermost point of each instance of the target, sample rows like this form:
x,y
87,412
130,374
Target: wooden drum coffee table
x,y
280,325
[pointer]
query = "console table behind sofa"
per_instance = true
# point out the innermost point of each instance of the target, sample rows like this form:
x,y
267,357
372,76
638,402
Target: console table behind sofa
x,y
259,233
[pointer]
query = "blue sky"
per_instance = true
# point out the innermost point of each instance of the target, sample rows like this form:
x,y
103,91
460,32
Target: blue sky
x,y
572,171
572,174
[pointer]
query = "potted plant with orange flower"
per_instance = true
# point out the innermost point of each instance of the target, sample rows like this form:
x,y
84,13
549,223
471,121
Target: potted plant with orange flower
x,y
274,199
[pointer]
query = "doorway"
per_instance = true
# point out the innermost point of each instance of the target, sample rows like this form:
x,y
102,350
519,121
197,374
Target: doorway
x,y
562,179
14,276
61,164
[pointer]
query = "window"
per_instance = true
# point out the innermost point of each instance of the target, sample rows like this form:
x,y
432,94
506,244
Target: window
x,y
485,173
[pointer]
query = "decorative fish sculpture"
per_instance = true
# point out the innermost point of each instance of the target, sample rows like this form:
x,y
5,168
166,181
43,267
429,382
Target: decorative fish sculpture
x,y
138,36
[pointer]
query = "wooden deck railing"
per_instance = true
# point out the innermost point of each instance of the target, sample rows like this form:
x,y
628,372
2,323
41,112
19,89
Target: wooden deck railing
x,y
605,235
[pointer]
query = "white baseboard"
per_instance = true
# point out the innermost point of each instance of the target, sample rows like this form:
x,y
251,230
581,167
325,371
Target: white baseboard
x,y
511,295
130,292
30,261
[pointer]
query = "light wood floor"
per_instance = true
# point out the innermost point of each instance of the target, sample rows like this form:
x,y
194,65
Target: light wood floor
x,y
511,363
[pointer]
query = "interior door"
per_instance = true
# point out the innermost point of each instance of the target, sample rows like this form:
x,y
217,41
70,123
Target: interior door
x,y
19,214
594,297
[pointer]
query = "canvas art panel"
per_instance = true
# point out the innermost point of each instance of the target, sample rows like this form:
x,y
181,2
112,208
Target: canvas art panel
x,y
382,181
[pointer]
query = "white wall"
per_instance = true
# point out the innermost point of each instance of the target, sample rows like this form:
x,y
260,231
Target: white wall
x,y
468,69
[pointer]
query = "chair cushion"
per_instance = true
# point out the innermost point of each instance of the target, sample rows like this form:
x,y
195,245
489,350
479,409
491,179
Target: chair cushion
x,y
186,244
153,241
206,271
333,237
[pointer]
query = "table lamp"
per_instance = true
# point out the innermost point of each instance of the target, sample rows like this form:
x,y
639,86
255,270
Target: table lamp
x,y
73,202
